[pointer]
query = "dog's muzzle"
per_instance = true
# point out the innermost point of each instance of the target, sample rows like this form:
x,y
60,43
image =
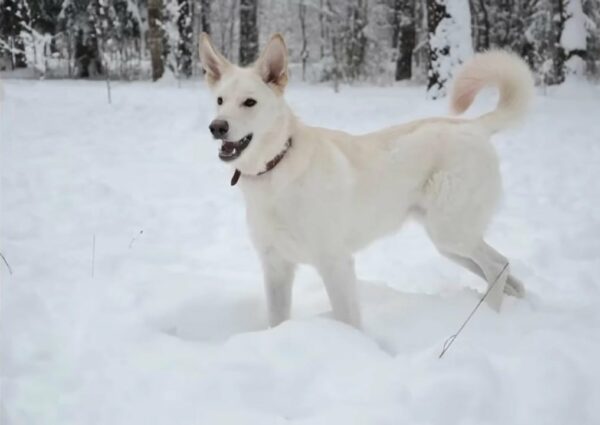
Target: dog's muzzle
x,y
232,150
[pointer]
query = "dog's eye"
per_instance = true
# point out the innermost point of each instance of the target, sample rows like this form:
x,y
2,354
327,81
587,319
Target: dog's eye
x,y
219,100
249,102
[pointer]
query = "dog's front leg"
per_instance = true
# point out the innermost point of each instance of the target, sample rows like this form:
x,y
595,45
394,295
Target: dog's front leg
x,y
279,276
340,283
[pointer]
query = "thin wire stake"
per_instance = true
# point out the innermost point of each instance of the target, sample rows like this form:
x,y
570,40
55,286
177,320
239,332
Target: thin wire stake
x,y
451,338
6,262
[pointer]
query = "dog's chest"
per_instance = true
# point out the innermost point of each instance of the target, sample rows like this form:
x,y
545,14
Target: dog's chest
x,y
283,223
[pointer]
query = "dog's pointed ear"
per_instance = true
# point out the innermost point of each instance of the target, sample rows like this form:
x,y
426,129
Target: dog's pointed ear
x,y
272,64
214,64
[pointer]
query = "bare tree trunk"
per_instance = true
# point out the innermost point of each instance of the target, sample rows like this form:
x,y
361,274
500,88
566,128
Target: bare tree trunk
x,y
232,16
304,50
108,86
69,54
205,15
321,30
185,44
335,43
355,39
336,63
196,30
396,16
248,32
19,60
223,47
404,37
201,23
558,56
155,38
485,38
480,24
143,31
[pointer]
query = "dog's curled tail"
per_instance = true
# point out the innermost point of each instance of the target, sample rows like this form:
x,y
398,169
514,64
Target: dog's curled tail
x,y
497,68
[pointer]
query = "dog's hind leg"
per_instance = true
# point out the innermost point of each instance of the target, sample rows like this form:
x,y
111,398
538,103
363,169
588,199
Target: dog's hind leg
x,y
513,286
492,263
278,276
488,263
340,283
459,205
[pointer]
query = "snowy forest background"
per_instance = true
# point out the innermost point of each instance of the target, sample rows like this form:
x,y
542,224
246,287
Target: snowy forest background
x,y
130,292
377,41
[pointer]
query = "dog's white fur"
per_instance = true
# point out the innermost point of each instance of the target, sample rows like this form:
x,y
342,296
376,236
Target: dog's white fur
x,y
334,193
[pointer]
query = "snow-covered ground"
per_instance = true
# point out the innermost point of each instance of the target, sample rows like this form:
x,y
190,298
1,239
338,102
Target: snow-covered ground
x,y
162,319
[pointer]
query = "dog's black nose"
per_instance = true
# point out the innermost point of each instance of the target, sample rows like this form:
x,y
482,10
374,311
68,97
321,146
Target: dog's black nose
x,y
219,128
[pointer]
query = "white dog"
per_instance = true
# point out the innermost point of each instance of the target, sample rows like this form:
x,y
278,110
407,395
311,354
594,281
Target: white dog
x,y
316,196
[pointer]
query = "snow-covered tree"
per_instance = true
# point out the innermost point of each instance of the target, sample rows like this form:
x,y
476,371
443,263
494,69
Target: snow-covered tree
x,y
449,42
14,17
346,29
178,28
36,45
103,29
330,40
67,23
574,37
172,36
126,40
186,31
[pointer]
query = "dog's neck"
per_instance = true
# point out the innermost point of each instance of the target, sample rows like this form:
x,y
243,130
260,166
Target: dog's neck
x,y
274,148
268,166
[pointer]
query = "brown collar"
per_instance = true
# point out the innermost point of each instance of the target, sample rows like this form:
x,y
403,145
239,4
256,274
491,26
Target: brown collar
x,y
268,167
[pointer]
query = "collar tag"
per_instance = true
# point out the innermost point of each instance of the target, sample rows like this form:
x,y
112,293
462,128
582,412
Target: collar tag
x,y
235,177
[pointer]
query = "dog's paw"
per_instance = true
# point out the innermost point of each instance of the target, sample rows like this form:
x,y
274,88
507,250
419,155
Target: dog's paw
x,y
514,287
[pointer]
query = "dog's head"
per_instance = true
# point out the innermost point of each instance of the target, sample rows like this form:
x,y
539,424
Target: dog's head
x,y
251,114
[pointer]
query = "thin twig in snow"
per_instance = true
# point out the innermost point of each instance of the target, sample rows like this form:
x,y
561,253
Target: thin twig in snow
x,y
108,88
451,338
107,69
6,262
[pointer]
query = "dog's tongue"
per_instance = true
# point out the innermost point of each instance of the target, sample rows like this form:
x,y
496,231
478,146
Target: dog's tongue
x,y
228,147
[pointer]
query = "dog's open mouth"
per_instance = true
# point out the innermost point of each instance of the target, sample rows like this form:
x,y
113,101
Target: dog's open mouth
x,y
231,150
